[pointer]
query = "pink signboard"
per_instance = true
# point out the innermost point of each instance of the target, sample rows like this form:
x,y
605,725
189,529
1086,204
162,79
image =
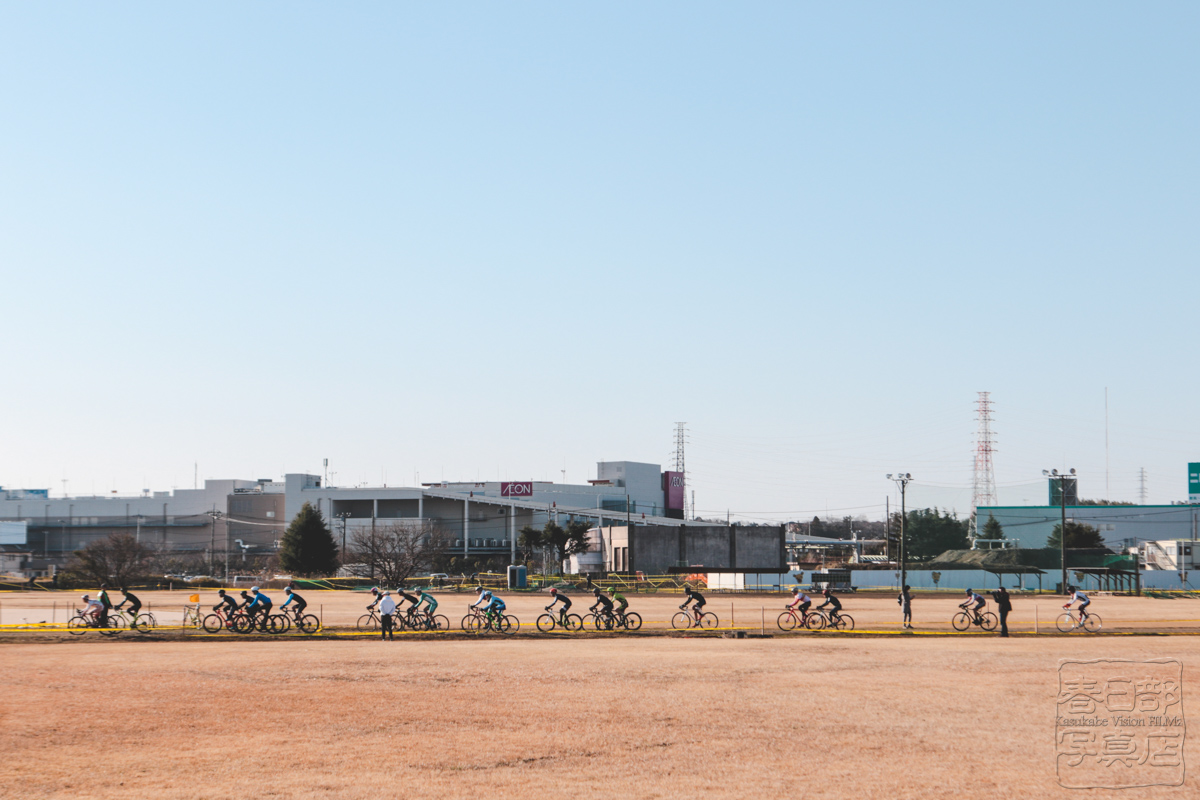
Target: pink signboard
x,y
524,489
673,488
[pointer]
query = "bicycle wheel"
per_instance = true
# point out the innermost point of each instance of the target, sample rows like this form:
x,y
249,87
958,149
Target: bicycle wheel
x,y
545,623
511,624
243,624
786,621
574,622
1065,623
988,621
472,622
368,622
146,623
845,622
814,621
1092,623
116,624
440,623
708,621
309,623
279,623
77,625
213,623
681,621
961,621
633,621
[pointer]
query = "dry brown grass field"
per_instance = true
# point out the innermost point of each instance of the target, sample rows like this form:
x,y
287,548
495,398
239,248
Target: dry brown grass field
x,y
648,717
798,715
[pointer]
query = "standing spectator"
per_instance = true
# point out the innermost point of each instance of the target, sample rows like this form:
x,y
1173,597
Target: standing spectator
x,y
905,601
387,607
1003,605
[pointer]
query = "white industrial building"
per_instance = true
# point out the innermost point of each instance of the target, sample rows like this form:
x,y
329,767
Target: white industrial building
x,y
483,518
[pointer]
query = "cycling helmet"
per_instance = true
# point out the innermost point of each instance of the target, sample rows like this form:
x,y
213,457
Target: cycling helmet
x,y
553,591
245,593
288,589
487,593
596,592
970,591
374,590
387,594
797,590
104,586
1070,588
826,593
687,590
86,598
221,592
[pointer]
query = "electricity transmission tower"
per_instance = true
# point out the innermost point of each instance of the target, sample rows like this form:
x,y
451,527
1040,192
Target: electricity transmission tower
x,y
1142,486
680,466
984,493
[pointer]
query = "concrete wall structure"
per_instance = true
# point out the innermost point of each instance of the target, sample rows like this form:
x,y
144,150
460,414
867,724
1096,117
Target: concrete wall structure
x,y
1121,526
657,549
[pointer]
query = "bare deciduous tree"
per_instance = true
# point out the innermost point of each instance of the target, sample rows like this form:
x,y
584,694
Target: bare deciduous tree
x,y
392,553
117,558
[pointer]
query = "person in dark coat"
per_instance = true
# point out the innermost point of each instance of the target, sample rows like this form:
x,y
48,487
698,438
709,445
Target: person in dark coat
x,y
905,601
1003,605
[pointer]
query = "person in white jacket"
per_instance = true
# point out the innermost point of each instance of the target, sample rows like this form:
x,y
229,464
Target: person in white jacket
x,y
387,607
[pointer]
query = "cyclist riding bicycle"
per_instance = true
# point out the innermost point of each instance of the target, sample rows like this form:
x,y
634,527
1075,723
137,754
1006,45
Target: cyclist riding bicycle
x,y
602,602
105,604
411,598
694,597
127,596
300,602
975,601
1084,602
831,600
495,606
429,601
559,597
259,604
92,609
226,604
622,604
800,602
378,596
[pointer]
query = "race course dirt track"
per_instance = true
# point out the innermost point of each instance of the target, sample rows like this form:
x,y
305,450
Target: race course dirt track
x,y
788,717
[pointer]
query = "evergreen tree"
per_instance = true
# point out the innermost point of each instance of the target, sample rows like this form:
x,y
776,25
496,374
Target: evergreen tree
x,y
308,547
992,529
1079,536
929,533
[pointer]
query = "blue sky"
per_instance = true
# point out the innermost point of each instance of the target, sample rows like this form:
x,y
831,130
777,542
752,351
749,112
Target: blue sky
x,y
488,240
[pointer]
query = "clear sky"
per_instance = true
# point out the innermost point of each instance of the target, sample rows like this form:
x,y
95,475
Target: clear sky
x,y
504,240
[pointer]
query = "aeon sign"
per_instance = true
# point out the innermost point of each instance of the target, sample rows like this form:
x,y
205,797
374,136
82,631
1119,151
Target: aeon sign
x,y
524,489
673,487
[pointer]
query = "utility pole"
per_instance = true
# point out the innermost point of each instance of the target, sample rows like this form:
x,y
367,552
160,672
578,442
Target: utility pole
x,y
902,479
1142,486
342,516
1054,475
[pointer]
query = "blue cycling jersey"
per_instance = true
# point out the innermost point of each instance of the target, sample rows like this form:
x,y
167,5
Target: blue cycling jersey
x,y
260,599
496,605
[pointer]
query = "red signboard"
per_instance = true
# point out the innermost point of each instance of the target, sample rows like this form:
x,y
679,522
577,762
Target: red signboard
x,y
524,489
673,488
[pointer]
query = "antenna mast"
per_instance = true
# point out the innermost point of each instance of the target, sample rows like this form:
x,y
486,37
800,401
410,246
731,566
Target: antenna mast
x,y
984,493
1142,486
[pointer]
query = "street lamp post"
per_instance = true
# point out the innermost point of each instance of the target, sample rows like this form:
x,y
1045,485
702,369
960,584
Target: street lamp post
x,y
901,479
1054,475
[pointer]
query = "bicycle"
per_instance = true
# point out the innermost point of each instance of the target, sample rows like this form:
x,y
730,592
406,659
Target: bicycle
x,y
501,623
548,622
835,620
1068,622
683,619
611,620
191,616
218,621
473,621
791,618
79,625
965,619
142,623
424,621
370,621
272,623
